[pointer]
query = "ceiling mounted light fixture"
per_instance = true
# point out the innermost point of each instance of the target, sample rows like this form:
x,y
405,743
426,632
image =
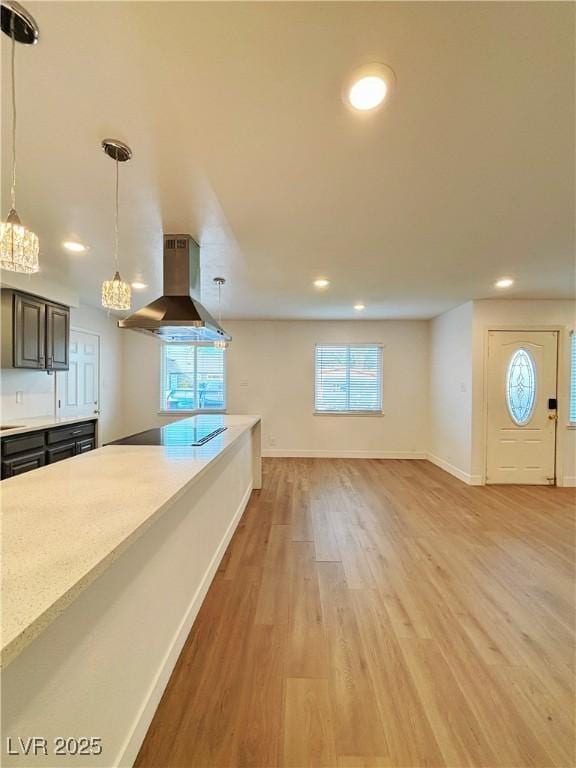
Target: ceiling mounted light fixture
x,y
359,307
74,246
321,282
504,282
19,246
368,87
138,285
116,294
220,281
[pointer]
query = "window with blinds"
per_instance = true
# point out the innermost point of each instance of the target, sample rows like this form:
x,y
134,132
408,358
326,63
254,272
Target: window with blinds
x,y
348,378
192,378
573,377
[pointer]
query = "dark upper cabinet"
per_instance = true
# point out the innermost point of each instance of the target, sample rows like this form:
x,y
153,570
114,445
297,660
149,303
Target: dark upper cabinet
x,y
29,331
57,337
35,332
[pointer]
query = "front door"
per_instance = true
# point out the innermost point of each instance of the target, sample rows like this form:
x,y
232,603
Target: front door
x,y
77,390
522,386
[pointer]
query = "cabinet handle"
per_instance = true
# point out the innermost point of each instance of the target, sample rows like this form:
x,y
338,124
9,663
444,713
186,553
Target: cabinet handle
x,y
77,432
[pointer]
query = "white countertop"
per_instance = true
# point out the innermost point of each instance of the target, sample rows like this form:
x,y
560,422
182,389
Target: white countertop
x,y
64,524
20,426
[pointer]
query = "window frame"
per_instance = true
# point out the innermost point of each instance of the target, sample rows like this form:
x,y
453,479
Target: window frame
x,y
376,412
191,411
571,376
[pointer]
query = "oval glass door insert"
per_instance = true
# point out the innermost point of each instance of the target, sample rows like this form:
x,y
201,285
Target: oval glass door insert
x,y
521,387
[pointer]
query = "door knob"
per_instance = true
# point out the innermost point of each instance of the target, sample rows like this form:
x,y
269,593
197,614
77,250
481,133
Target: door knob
x,y
97,412
553,416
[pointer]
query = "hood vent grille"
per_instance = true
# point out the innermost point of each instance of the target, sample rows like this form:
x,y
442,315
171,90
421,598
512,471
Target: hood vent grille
x,y
174,245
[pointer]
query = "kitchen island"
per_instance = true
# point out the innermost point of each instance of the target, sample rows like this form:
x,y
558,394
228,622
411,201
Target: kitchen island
x,y
106,560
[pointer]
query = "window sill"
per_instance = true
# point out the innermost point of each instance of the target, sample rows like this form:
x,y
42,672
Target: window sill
x,y
197,412
349,413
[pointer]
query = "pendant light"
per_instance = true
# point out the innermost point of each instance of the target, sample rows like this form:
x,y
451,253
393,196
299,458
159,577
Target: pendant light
x,y
116,294
220,281
19,246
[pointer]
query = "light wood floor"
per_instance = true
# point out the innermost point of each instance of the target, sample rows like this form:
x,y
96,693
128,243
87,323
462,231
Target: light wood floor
x,y
381,613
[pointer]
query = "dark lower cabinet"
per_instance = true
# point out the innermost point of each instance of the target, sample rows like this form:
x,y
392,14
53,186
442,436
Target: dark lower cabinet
x,y
82,446
22,453
24,463
65,451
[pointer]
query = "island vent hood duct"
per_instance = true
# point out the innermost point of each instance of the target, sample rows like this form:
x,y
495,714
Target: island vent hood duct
x,y
178,314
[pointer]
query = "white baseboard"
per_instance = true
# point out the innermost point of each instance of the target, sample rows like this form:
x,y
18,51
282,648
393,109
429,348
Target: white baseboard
x,y
569,481
456,471
142,722
305,453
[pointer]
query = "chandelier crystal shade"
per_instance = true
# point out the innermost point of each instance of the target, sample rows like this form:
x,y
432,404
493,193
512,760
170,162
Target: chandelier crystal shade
x,y
116,293
19,246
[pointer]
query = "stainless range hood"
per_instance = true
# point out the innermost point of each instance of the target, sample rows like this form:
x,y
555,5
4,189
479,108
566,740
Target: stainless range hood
x,y
178,315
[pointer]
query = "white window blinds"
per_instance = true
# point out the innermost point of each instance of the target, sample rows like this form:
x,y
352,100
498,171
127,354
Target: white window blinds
x,y
192,378
348,378
573,377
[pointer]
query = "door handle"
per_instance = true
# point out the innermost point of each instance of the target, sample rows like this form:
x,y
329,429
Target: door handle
x,y
553,416
97,412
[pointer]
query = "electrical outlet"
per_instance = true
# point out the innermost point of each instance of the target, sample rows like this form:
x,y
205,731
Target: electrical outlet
x,y
19,396
271,441
243,382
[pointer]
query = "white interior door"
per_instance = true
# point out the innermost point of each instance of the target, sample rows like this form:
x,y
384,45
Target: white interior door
x,y
522,387
77,389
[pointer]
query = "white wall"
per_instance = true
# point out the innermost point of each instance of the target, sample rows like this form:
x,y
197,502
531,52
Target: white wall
x,y
450,414
524,313
271,373
37,388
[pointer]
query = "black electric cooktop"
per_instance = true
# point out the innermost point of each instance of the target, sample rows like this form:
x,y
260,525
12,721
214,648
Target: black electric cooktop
x,y
180,433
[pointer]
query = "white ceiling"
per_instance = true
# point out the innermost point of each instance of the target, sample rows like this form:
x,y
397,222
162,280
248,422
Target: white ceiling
x,y
240,137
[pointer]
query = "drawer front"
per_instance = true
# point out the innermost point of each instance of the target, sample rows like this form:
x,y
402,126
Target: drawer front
x,y
60,452
28,442
21,464
83,446
73,432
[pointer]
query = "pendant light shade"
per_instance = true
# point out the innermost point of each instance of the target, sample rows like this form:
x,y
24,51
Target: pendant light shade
x,y
19,246
116,293
220,281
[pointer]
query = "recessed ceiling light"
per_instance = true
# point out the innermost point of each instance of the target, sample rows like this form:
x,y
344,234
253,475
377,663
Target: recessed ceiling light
x,y
368,86
138,285
74,246
359,307
504,282
321,282
368,92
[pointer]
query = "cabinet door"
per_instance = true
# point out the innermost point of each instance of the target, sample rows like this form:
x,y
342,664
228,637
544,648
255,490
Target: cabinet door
x,y
57,337
29,331
21,464
64,451
83,446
